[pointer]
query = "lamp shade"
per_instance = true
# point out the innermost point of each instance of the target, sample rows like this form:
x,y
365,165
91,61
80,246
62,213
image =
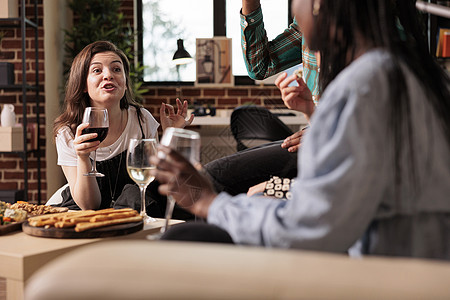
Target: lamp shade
x,y
181,56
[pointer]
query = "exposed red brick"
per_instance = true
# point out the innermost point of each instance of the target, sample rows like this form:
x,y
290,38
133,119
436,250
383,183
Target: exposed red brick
x,y
31,55
154,101
8,33
7,55
190,92
32,164
276,92
274,101
256,101
10,44
8,99
237,92
9,165
41,111
167,92
260,92
213,92
150,92
205,102
8,185
33,185
41,66
29,11
13,175
40,43
229,101
19,109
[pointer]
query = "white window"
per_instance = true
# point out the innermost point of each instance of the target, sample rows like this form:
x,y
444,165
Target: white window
x,y
275,17
166,21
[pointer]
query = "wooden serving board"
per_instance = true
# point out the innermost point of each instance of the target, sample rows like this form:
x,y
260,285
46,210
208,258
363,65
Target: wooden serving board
x,y
70,233
4,229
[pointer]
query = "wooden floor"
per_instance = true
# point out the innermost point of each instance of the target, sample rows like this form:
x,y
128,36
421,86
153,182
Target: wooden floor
x,y
2,288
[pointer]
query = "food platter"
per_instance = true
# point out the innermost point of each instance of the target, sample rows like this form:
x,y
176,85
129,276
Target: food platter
x,y
17,226
4,229
70,233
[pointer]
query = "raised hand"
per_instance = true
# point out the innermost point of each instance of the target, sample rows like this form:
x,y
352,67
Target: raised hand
x,y
171,119
299,97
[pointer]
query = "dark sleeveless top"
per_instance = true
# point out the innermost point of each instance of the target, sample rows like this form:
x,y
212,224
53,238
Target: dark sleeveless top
x,y
125,193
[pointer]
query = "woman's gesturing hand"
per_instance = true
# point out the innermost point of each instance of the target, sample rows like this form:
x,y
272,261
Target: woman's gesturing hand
x,y
299,97
179,178
80,144
171,119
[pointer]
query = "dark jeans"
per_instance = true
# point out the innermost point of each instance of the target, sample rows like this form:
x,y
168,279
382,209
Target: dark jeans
x,y
197,232
236,173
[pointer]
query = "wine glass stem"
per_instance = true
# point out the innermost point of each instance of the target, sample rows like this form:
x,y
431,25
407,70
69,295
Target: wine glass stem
x,y
143,209
94,164
169,211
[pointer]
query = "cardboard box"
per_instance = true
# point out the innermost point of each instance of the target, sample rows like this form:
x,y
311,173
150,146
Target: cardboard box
x,y
9,9
11,138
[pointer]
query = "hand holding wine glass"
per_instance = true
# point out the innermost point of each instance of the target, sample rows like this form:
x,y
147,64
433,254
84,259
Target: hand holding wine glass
x,y
98,123
139,168
187,144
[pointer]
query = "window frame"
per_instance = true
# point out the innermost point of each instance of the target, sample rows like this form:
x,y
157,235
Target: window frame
x,y
220,29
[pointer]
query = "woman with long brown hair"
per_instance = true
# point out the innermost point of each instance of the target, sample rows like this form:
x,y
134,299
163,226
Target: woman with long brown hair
x,y
100,77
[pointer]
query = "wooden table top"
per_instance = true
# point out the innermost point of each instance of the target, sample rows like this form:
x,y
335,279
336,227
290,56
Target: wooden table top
x,y
22,254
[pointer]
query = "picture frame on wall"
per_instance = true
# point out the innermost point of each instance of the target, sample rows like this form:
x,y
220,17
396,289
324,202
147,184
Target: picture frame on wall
x,y
213,61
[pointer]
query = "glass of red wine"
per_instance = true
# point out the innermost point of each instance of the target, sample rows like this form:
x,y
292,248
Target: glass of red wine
x,y
98,123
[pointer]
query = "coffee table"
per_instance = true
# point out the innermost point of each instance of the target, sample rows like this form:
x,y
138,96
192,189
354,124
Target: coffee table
x,y
21,254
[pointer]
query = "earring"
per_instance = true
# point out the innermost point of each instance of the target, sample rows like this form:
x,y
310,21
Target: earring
x,y
316,8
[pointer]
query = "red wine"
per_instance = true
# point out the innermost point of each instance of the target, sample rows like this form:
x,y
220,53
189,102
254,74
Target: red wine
x,y
101,132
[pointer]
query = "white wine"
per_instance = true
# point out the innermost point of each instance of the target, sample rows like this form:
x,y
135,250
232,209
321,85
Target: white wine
x,y
141,176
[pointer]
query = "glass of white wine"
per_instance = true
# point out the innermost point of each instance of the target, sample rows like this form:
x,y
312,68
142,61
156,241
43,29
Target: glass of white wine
x,y
187,143
139,168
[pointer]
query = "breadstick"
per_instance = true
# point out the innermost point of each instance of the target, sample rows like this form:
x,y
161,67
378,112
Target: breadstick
x,y
40,223
113,216
85,226
64,224
82,219
70,219
45,217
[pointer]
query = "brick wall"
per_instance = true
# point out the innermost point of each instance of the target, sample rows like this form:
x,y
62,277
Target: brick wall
x,y
11,165
220,98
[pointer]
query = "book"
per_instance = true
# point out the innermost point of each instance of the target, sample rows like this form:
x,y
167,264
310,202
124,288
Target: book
x,y
443,42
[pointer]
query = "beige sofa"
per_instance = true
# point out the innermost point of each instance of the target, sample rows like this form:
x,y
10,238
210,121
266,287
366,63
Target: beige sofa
x,y
136,269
